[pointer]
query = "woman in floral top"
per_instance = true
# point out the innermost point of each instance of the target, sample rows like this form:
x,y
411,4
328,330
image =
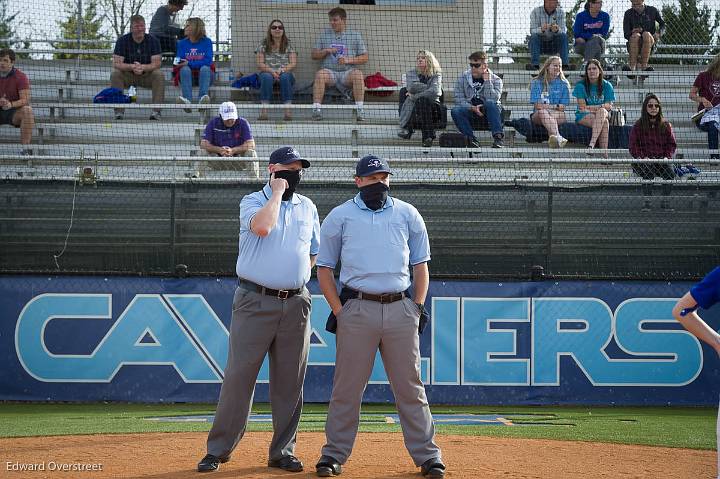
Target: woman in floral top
x,y
276,58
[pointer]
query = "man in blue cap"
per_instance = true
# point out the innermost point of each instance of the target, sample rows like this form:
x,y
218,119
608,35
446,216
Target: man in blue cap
x,y
376,237
279,233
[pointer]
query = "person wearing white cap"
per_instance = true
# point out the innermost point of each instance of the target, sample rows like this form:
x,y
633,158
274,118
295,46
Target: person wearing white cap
x,y
229,135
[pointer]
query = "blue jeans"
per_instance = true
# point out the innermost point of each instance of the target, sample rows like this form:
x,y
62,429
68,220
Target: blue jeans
x,y
712,135
557,43
204,80
287,81
464,119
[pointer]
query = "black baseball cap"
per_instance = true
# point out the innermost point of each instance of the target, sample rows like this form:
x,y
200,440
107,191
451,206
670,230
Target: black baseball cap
x,y
371,164
287,154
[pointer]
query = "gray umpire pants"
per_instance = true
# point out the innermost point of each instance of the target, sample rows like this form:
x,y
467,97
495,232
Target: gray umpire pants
x,y
263,324
363,327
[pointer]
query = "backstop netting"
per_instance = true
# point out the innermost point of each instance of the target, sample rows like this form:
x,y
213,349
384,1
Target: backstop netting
x,y
92,184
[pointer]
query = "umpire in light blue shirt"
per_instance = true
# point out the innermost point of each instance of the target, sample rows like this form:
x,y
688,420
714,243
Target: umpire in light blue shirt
x,y
279,232
376,238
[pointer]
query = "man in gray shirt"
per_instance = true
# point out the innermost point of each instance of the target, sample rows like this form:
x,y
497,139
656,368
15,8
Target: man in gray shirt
x,y
339,49
163,26
548,34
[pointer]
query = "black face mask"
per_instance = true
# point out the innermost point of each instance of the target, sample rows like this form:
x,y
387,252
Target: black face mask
x,y
293,178
374,195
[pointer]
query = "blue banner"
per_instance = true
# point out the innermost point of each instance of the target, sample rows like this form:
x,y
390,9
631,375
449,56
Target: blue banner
x,y
154,339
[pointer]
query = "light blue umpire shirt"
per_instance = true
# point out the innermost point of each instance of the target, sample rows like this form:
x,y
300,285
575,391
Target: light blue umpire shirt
x,y
374,247
281,260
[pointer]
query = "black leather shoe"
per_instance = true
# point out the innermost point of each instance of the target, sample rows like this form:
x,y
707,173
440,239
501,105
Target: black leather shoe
x,y
287,463
327,467
210,463
433,468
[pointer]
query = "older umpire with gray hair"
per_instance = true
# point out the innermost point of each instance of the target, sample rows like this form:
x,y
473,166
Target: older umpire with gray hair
x,y
279,234
376,237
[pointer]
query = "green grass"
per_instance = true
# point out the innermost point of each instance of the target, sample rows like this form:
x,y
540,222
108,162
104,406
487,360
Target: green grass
x,y
658,426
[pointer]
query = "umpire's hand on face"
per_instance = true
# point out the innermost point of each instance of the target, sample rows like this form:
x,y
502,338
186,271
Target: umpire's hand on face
x,y
278,185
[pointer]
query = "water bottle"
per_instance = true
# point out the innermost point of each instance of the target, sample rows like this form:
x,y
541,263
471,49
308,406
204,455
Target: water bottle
x,y
545,98
403,79
132,93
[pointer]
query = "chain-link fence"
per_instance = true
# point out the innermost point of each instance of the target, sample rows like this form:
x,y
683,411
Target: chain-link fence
x,y
96,185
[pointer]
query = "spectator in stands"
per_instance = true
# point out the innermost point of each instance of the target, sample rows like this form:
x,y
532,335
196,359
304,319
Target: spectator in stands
x,y
477,94
706,93
339,49
195,52
421,95
548,33
136,62
595,97
642,26
15,106
228,135
164,28
591,29
550,94
652,137
276,58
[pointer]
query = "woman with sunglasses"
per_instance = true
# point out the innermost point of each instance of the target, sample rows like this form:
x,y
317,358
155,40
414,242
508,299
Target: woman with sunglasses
x,y
421,96
194,60
276,58
652,137
550,94
595,97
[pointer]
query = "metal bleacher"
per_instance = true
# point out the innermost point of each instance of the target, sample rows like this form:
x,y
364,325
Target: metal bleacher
x,y
68,122
488,211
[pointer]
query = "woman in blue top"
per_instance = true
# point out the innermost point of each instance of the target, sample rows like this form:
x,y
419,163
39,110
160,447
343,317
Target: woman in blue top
x,y
595,97
591,29
195,52
550,94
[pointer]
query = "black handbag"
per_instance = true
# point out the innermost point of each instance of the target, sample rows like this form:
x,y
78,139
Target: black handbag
x,y
453,140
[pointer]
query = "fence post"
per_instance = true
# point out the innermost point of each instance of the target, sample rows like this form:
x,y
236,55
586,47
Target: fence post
x,y
548,257
495,38
79,38
217,21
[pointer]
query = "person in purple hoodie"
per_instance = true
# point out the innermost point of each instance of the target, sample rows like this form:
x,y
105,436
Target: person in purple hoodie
x,y
195,56
591,29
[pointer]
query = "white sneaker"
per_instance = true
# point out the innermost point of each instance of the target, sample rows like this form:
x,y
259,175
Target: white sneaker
x,y
562,141
553,141
204,100
181,100
360,115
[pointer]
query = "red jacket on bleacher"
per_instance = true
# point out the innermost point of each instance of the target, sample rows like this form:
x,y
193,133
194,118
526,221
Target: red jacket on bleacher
x,y
652,143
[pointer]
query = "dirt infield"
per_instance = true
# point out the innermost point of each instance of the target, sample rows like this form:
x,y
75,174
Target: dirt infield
x,y
174,455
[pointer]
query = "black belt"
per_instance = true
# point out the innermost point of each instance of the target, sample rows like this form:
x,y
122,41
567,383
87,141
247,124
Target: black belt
x,y
384,298
278,293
